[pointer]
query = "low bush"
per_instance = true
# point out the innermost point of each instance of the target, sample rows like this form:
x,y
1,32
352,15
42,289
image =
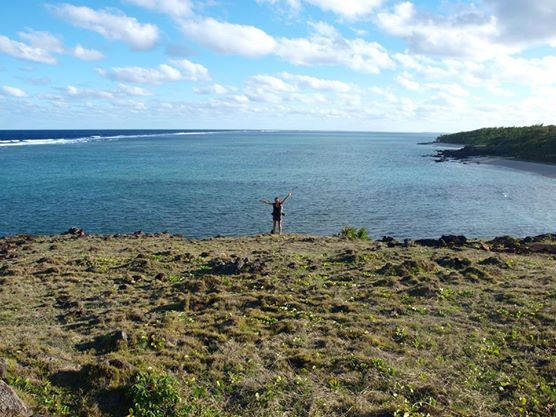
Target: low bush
x,y
154,394
354,233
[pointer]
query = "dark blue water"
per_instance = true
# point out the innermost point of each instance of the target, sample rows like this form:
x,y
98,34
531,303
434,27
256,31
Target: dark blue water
x,y
209,183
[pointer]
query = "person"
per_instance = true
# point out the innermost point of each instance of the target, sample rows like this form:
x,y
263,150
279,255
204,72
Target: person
x,y
277,212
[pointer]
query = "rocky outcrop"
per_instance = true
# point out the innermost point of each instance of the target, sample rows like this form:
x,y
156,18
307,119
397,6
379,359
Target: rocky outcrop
x,y
75,231
445,241
236,265
10,404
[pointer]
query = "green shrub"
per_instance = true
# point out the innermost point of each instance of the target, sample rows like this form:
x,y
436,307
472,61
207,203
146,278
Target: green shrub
x,y
154,394
353,233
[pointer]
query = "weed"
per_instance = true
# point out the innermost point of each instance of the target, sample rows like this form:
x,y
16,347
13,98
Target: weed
x,y
354,233
155,394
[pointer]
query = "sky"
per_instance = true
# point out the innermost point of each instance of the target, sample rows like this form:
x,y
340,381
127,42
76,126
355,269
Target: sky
x,y
367,65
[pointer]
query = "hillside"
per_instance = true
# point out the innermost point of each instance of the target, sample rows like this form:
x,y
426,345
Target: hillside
x,y
278,326
534,143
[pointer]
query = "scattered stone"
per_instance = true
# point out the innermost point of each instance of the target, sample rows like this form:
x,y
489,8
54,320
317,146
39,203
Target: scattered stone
x,y
453,240
161,276
494,261
75,231
444,241
237,265
106,343
3,367
475,274
406,268
454,263
506,243
348,256
390,241
10,404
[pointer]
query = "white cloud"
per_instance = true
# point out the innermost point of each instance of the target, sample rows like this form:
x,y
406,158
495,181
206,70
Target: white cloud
x,y
122,92
133,90
350,9
24,51
406,81
179,70
192,71
13,91
142,75
347,8
327,47
86,54
88,93
228,38
175,8
497,28
112,25
467,34
214,89
317,83
525,22
42,40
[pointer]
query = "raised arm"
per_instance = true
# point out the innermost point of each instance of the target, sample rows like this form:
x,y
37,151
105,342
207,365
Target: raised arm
x,y
265,202
286,198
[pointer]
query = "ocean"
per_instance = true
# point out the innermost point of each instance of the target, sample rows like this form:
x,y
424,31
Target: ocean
x,y
208,183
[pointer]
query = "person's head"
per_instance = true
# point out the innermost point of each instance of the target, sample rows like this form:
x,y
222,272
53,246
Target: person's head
x,y
276,199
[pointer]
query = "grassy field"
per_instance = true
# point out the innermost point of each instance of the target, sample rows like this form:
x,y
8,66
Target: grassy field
x,y
278,326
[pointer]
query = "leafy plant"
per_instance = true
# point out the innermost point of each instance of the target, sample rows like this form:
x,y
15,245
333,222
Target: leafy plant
x,y
354,233
154,394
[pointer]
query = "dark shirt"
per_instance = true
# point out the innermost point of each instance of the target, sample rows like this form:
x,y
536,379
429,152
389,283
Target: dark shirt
x,y
276,209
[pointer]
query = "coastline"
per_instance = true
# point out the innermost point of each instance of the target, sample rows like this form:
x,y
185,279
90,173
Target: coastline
x,y
546,169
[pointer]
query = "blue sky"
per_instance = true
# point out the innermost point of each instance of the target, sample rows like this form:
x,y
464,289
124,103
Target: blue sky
x,y
277,64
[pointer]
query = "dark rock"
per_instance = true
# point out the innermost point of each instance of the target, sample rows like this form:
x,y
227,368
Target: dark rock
x,y
475,274
237,265
506,243
453,240
161,276
10,404
406,268
454,263
106,343
390,241
444,241
204,255
494,261
3,368
75,231
431,243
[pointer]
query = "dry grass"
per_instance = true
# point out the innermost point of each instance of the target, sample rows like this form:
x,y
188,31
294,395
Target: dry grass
x,y
302,327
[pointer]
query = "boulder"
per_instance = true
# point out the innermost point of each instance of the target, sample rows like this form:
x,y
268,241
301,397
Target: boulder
x,y
75,231
454,263
3,368
237,265
10,404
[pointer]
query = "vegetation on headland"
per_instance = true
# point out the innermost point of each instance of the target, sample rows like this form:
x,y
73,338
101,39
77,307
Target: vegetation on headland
x,y
279,325
533,143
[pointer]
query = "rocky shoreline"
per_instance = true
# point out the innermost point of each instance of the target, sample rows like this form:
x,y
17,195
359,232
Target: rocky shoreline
x,y
273,325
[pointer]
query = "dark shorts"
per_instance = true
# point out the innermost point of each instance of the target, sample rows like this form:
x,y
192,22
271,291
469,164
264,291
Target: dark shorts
x,y
276,217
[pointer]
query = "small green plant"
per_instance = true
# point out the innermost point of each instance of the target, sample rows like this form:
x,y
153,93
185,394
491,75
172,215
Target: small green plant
x,y
353,233
154,394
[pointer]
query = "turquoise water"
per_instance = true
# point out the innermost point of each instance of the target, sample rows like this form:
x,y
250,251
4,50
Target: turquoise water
x,y
209,184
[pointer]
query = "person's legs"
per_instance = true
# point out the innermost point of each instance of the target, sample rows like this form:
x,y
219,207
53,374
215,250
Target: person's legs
x,y
280,226
274,226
